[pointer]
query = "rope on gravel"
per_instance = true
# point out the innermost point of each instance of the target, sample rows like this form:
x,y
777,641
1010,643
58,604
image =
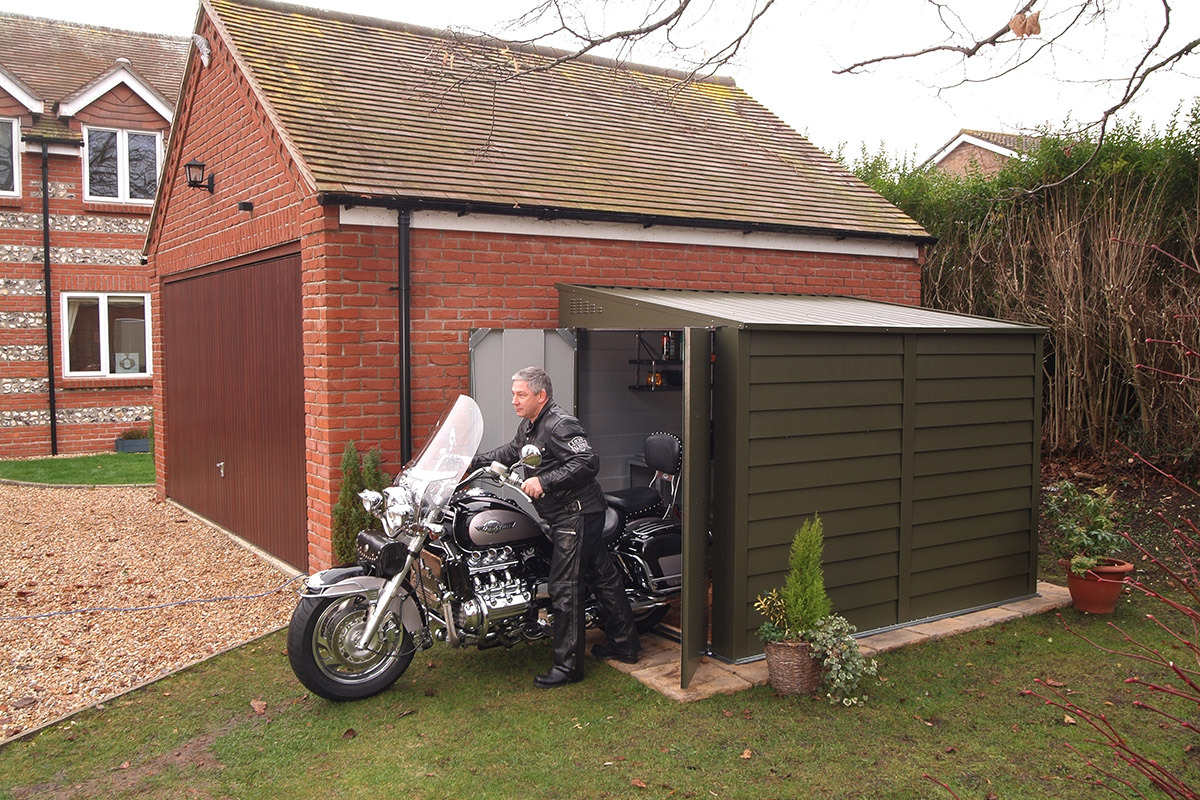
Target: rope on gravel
x,y
155,608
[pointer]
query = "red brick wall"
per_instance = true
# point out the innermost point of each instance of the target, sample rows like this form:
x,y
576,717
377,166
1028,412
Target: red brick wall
x,y
116,108
968,158
462,281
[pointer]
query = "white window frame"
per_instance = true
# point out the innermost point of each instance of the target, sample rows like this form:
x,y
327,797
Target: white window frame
x,y
122,165
16,156
105,367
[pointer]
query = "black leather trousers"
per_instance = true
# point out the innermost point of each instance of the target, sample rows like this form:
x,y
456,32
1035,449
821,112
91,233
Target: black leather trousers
x,y
579,555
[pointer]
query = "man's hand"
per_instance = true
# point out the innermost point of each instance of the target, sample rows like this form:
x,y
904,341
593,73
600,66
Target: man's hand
x,y
532,487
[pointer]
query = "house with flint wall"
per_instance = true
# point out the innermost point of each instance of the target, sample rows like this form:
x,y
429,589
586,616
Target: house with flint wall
x,y
85,114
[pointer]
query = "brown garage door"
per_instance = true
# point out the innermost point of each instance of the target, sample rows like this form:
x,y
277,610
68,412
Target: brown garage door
x,y
235,402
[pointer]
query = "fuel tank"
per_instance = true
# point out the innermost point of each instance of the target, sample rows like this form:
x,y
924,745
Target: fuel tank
x,y
483,520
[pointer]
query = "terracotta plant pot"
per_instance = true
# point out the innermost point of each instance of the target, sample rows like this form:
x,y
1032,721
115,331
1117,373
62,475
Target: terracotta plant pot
x,y
791,667
1097,590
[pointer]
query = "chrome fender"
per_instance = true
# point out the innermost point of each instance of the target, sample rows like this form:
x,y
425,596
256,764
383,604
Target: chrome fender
x,y
342,581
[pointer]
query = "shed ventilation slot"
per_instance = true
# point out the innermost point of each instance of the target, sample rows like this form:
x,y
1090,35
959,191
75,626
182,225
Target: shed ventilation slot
x,y
581,306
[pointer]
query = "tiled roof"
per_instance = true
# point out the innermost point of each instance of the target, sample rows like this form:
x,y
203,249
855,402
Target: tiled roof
x,y
389,110
55,59
1009,141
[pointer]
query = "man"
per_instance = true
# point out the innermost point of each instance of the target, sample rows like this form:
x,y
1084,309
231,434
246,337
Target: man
x,y
566,494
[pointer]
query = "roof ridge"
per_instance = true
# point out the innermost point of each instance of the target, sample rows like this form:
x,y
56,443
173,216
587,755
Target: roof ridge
x,y
485,40
91,27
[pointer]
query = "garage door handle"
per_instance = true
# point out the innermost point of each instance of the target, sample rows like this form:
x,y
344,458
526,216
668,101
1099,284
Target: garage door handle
x,y
221,468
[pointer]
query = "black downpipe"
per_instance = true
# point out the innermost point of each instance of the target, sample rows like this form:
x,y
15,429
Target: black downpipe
x,y
403,223
49,300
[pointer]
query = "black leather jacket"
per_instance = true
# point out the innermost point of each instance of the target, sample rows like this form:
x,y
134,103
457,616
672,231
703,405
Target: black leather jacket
x,y
569,465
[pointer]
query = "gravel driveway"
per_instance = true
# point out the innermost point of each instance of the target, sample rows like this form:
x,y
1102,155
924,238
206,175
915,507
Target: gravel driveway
x,y
72,549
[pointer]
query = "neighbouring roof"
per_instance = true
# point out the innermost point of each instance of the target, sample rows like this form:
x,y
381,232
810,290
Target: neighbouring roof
x,y
1008,145
389,110
617,307
61,61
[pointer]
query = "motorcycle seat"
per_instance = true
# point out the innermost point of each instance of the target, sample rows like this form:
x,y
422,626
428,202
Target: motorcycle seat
x,y
664,454
612,526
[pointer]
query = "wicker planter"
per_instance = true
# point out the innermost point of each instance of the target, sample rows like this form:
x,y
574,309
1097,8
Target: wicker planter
x,y
791,668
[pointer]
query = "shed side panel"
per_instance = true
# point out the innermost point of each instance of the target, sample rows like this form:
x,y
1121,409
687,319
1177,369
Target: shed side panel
x,y
975,466
825,437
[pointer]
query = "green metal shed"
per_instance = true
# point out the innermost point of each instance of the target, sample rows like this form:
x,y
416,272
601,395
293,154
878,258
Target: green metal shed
x,y
914,433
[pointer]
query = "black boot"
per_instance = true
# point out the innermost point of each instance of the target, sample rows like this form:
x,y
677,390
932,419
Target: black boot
x,y
557,676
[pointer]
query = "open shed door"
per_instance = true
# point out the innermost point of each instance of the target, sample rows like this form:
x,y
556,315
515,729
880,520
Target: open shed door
x,y
697,407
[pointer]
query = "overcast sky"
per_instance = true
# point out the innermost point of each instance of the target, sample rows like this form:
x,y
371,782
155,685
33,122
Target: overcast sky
x,y
788,62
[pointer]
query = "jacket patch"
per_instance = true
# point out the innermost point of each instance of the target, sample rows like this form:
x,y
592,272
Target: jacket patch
x,y
579,444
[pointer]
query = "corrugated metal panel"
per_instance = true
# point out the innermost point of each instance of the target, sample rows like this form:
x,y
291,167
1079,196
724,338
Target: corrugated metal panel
x,y
612,307
235,394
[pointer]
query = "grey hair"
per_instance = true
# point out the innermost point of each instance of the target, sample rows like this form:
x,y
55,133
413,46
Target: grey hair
x,y
537,380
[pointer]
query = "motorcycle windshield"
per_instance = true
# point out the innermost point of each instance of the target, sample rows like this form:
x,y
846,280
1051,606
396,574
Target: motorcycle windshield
x,y
432,476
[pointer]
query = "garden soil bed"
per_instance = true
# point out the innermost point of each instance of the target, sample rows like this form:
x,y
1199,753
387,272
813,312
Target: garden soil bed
x,y
115,548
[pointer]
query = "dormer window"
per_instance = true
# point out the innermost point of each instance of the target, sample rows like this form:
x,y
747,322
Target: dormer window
x,y
10,159
120,166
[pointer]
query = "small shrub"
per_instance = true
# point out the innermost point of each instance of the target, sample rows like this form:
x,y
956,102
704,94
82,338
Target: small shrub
x,y
349,516
1084,523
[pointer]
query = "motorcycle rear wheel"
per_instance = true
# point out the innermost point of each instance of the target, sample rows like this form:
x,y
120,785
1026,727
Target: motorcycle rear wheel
x,y
648,620
324,654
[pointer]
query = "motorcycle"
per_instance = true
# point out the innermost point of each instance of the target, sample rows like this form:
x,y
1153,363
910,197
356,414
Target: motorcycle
x,y
459,563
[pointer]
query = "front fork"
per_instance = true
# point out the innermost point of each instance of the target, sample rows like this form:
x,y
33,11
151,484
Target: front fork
x,y
390,590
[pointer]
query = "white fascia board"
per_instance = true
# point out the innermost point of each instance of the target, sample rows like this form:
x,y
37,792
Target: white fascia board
x,y
89,94
54,149
21,93
657,234
975,140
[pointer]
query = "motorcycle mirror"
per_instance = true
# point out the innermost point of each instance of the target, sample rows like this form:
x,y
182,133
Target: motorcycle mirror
x,y
531,456
372,502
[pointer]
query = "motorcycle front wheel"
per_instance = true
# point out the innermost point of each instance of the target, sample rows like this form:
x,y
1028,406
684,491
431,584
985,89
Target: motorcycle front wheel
x,y
324,653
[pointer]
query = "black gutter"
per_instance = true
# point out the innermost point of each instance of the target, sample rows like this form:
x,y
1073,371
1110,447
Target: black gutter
x,y
404,269
462,207
49,300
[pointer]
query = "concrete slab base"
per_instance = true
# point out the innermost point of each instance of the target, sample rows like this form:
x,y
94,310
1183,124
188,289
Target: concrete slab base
x,y
659,665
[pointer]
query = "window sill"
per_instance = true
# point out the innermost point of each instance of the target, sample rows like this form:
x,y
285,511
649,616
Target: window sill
x,y
116,206
108,382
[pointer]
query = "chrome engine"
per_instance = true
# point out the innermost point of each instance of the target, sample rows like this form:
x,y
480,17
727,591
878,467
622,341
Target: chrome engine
x,y
484,597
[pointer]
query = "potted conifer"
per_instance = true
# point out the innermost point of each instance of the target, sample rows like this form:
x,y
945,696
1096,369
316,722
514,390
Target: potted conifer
x,y
807,647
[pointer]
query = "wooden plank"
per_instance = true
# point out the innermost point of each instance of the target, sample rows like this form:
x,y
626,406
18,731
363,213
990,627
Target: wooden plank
x,y
807,421
930,390
968,574
865,568
779,477
975,365
978,344
766,533
977,527
769,397
774,505
968,506
982,593
785,343
823,447
956,436
838,548
974,412
814,368
965,552
942,462
970,481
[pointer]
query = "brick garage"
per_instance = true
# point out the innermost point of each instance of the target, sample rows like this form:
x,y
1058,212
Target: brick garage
x,y
488,206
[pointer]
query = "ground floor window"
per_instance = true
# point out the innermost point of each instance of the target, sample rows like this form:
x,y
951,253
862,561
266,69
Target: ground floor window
x,y
9,158
106,334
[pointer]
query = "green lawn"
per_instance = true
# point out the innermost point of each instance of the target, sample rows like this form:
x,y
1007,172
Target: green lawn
x,y
102,469
469,724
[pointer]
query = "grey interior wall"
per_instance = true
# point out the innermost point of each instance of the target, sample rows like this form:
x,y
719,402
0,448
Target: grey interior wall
x,y
497,353
617,418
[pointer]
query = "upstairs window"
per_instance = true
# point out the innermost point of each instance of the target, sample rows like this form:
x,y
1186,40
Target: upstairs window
x,y
10,160
121,166
106,334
